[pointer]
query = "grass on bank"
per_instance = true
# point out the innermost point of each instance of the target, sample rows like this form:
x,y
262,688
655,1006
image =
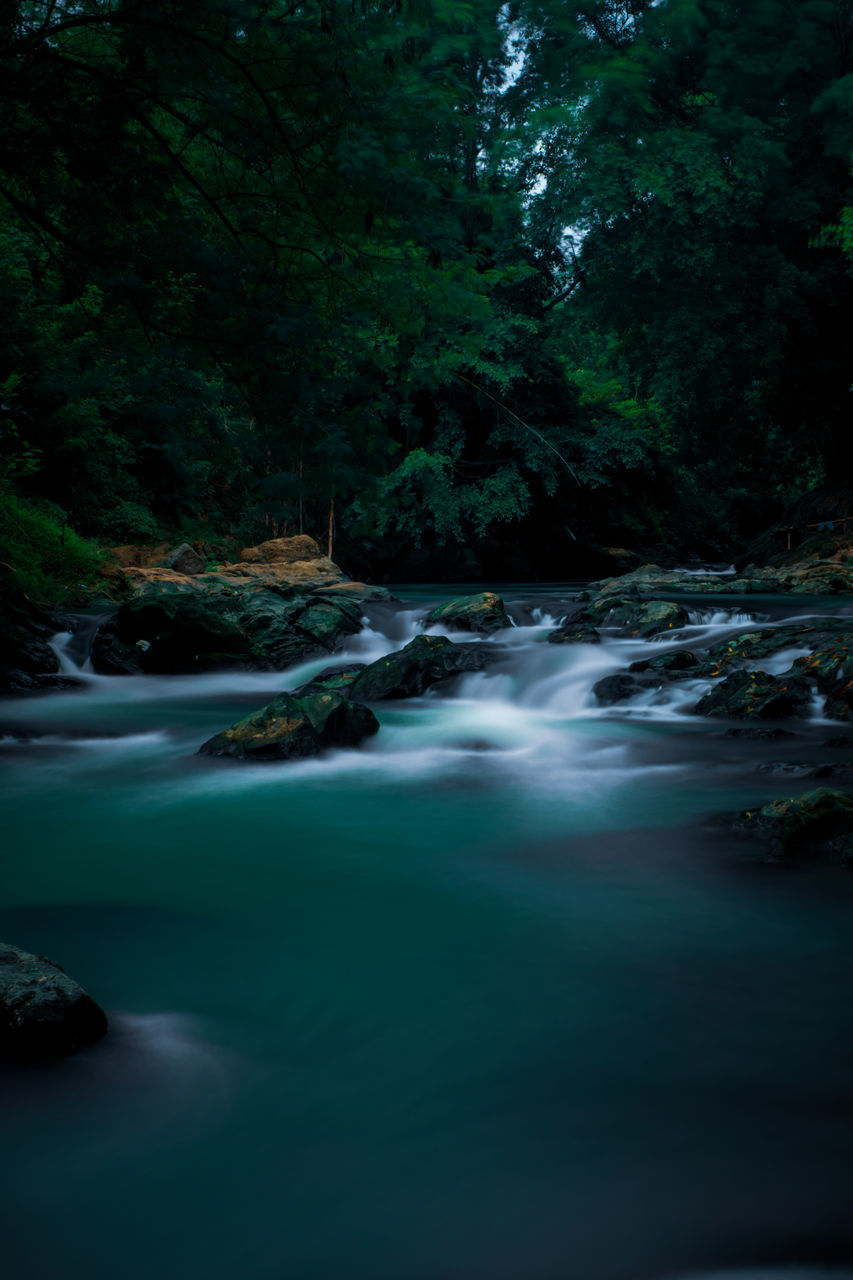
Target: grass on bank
x,y
48,561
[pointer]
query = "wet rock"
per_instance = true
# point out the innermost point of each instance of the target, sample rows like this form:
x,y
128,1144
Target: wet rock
x,y
657,616
26,660
634,616
43,1012
290,728
622,686
679,664
185,559
483,613
570,633
332,679
174,629
815,825
753,645
423,662
832,668
173,632
754,695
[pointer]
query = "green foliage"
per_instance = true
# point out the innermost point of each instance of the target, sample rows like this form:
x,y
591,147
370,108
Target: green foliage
x,y
48,560
424,494
259,260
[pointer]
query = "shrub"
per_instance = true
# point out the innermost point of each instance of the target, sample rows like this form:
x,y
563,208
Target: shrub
x,y
48,560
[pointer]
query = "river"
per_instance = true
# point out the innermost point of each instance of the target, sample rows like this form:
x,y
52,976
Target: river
x,y
491,998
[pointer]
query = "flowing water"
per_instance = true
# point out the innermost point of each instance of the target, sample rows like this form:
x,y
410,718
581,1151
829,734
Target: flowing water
x,y
491,998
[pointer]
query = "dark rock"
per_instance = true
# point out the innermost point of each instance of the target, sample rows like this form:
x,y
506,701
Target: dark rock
x,y
185,559
483,613
25,656
831,666
635,617
571,634
752,645
291,728
621,687
754,695
179,631
43,1012
423,662
656,616
680,664
171,629
815,825
112,656
331,680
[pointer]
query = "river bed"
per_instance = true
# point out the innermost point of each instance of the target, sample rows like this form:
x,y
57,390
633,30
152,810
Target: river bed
x,y
492,997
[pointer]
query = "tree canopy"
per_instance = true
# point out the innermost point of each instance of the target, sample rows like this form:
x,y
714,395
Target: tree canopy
x,y
440,269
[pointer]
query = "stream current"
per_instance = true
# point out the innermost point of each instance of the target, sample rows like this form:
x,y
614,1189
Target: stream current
x,y
490,998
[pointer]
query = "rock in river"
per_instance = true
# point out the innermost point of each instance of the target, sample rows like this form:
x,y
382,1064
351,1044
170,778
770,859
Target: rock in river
x,y
815,825
43,1012
754,695
291,728
423,662
483,613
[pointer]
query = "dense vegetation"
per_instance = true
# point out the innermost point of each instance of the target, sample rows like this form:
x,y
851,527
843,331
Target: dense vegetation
x,y
414,269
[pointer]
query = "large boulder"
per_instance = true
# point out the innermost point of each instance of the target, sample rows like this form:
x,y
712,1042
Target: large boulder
x,y
185,559
291,728
282,551
172,631
175,628
815,825
423,662
43,1012
483,613
754,695
634,617
751,646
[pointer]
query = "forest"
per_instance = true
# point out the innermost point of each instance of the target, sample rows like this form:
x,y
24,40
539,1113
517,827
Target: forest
x,y
468,286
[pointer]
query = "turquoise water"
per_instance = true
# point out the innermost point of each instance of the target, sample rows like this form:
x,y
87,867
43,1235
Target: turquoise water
x,y
490,998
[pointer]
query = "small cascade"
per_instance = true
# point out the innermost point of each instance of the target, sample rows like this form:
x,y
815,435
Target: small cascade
x,y
73,648
724,617
59,644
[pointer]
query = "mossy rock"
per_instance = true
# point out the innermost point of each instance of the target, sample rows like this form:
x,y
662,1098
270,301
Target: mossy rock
x,y
43,1012
679,664
754,695
332,680
570,633
291,728
178,630
423,662
643,618
815,825
482,613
